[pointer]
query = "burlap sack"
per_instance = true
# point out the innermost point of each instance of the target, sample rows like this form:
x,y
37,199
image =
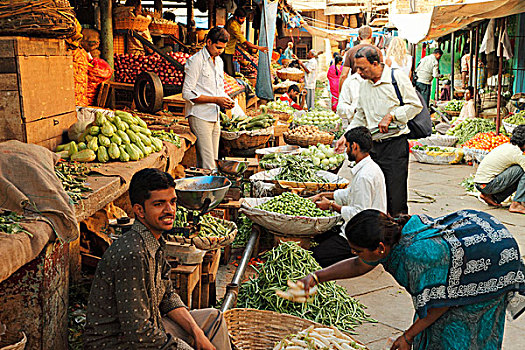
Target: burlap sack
x,y
29,186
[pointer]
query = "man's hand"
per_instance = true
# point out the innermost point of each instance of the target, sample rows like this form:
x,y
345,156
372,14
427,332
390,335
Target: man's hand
x,y
202,342
315,198
263,49
324,203
385,122
225,102
340,145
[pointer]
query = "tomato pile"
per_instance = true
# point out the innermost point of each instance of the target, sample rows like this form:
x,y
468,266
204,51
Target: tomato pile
x,y
486,141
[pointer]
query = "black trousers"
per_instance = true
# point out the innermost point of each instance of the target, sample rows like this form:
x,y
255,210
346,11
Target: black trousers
x,y
331,248
392,157
424,90
228,64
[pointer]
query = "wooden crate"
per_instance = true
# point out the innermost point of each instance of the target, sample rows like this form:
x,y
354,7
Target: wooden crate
x,y
37,94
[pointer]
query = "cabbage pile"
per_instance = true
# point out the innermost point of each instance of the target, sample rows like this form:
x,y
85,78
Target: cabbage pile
x,y
324,119
280,106
323,156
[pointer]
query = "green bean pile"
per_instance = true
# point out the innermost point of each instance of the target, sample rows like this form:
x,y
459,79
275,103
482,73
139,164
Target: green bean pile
x,y
10,223
73,177
167,136
209,225
331,305
298,170
291,204
467,129
244,231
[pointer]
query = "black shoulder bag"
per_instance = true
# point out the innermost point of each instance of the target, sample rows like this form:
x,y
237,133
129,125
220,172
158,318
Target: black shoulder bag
x,y
421,125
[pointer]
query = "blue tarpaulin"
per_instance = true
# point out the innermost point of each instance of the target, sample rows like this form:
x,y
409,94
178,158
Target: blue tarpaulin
x,y
263,87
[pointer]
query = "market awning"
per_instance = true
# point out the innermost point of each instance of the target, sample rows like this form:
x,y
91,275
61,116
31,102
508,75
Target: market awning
x,y
305,5
445,19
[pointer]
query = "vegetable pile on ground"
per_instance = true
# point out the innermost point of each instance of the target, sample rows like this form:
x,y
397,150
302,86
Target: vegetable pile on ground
x,y
128,67
454,105
467,129
291,204
73,177
297,170
246,123
307,131
122,137
318,339
244,230
468,184
331,305
10,223
516,118
168,136
324,119
486,141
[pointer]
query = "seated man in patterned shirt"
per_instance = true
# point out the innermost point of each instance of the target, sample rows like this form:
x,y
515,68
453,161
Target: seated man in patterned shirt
x,y
132,304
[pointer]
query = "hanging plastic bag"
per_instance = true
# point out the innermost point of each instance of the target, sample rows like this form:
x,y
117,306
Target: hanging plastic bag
x,y
98,72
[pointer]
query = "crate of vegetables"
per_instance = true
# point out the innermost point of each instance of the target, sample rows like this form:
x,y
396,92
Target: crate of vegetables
x,y
213,233
289,214
511,122
437,155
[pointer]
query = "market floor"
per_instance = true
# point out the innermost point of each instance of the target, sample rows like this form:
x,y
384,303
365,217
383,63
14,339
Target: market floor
x,y
391,305
435,191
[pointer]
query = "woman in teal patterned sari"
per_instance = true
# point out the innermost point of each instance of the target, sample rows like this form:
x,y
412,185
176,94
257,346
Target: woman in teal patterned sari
x,y
463,271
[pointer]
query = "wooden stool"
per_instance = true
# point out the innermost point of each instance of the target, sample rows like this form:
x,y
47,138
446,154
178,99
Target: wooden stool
x,y
187,282
210,266
106,89
177,103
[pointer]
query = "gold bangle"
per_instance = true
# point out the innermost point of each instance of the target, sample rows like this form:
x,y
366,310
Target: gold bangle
x,y
316,279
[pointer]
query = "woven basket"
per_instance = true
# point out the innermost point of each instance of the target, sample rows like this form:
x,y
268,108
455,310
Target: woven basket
x,y
252,329
290,76
325,139
453,113
210,243
163,28
11,341
136,23
246,139
282,116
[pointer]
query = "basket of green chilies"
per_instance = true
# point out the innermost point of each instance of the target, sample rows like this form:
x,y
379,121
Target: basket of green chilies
x,y
213,233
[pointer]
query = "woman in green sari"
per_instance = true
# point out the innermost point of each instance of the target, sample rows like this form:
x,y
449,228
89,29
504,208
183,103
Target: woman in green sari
x,y
463,271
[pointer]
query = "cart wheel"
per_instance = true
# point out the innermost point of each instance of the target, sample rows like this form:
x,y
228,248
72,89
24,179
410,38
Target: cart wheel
x,y
148,93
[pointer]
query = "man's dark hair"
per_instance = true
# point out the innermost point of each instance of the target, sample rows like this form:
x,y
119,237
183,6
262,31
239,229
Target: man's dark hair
x,y
218,34
239,12
471,90
518,136
170,16
294,88
438,51
360,135
369,53
146,180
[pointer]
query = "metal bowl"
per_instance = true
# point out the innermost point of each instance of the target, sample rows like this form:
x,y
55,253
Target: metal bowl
x,y
232,167
202,193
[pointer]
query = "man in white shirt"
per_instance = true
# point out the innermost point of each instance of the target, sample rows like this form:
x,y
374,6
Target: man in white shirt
x,y
366,191
348,98
380,111
502,172
426,71
203,91
310,74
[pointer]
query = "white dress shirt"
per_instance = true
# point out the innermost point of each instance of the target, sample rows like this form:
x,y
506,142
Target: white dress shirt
x,y
203,77
376,100
427,69
349,96
366,191
310,78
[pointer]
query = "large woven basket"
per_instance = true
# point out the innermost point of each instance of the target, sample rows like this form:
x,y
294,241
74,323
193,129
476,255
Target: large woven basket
x,y
246,139
453,113
290,76
163,28
136,23
13,341
252,329
310,140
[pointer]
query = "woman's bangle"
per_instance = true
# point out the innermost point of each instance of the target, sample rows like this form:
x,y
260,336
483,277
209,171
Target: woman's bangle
x,y
316,279
406,339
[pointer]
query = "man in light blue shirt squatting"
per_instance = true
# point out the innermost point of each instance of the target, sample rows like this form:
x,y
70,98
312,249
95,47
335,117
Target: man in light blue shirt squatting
x,y
204,93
